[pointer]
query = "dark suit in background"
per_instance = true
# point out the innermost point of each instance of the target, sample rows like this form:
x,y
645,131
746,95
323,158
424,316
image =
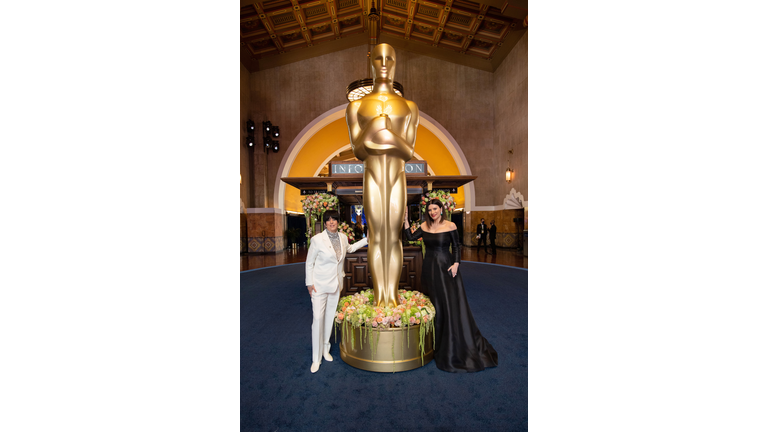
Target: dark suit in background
x,y
482,231
492,236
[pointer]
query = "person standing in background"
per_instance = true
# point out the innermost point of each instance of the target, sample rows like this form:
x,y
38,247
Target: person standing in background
x,y
482,235
492,237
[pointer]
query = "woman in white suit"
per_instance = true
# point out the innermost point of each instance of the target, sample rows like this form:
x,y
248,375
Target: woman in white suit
x,y
324,277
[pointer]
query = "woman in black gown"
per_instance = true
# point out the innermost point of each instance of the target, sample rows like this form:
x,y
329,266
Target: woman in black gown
x,y
459,346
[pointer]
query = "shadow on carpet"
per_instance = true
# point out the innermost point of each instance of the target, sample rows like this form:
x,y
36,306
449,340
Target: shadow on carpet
x,y
278,393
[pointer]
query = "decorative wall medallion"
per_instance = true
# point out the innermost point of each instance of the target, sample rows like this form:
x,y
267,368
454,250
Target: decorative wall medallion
x,y
349,22
491,26
395,22
427,30
477,43
290,37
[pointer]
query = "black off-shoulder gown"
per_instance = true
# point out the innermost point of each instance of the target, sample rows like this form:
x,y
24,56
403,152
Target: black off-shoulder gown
x,y
459,346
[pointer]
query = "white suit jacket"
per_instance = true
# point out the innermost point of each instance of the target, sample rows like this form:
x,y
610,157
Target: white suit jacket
x,y
323,270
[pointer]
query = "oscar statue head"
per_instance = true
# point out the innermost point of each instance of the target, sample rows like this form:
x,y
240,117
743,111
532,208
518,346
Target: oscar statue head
x,y
383,62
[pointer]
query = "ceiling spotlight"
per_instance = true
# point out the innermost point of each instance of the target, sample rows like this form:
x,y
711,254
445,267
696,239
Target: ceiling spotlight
x,y
251,125
266,125
275,146
249,141
276,131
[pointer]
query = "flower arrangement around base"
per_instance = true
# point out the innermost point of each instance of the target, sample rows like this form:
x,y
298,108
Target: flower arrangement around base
x,y
449,204
357,312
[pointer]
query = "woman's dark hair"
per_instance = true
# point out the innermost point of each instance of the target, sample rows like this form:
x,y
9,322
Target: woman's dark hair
x,y
438,203
331,215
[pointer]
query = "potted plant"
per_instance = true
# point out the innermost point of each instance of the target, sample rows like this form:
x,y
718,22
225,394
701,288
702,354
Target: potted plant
x,y
292,234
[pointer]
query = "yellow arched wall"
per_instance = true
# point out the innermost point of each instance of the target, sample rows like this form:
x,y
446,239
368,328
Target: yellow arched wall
x,y
335,135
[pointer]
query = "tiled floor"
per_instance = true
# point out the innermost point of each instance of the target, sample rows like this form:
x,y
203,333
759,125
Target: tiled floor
x,y
507,257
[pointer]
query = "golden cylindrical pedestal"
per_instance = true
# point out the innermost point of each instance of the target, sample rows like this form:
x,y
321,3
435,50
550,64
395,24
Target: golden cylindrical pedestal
x,y
403,342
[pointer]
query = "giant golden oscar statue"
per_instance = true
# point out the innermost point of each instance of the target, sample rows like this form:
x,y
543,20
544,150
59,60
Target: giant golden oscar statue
x,y
382,129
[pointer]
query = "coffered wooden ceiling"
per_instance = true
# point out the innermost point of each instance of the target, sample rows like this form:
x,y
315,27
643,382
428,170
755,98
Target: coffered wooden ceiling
x,y
478,35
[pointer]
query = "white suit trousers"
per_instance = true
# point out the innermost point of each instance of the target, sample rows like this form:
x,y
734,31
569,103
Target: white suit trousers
x,y
323,312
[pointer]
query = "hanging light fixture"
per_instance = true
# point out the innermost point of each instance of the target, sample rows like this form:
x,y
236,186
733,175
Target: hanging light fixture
x,y
358,89
510,172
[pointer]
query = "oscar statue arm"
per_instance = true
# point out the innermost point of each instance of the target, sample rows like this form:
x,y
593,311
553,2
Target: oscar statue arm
x,y
355,132
377,137
413,126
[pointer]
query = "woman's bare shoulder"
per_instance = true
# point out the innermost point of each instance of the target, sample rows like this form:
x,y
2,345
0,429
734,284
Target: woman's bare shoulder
x,y
446,226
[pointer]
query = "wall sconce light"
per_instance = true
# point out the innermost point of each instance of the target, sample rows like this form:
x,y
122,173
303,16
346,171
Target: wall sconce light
x,y
269,132
510,172
250,126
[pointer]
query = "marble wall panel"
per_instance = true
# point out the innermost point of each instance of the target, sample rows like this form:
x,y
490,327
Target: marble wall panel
x,y
266,244
266,232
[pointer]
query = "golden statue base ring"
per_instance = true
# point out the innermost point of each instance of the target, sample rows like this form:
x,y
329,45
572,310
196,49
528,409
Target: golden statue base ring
x,y
396,350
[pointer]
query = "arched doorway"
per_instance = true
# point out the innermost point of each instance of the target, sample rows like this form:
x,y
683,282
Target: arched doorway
x,y
305,154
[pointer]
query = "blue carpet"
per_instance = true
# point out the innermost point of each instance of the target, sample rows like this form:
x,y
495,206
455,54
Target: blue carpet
x,y
278,393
